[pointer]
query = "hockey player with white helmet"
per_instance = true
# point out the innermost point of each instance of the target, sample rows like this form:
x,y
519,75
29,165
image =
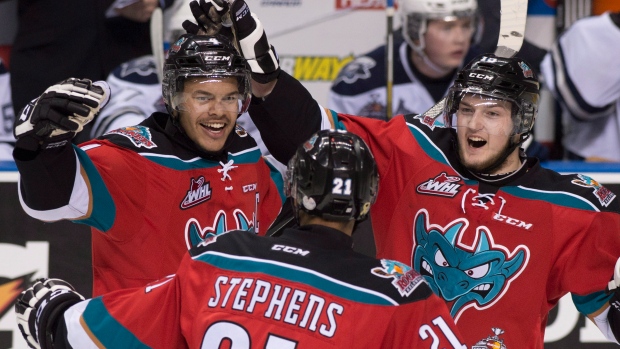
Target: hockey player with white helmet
x,y
437,36
417,17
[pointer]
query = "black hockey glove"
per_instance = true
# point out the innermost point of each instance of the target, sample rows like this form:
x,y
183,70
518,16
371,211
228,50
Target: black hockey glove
x,y
212,17
40,306
253,44
55,117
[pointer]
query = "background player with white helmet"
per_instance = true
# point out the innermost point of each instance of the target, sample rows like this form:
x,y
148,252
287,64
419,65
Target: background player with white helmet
x,y
436,39
418,19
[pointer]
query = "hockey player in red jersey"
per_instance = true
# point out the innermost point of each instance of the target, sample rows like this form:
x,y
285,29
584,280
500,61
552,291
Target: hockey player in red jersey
x,y
305,288
139,186
498,237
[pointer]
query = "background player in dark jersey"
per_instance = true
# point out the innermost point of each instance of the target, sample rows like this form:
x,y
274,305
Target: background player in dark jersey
x,y
498,237
139,186
303,289
436,38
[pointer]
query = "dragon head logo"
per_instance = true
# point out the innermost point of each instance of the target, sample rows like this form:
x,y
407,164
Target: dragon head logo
x,y
466,276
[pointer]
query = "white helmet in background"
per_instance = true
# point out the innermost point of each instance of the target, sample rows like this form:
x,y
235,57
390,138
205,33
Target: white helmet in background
x,y
415,15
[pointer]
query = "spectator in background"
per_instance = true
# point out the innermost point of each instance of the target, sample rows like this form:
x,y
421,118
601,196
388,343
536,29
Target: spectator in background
x,y
582,70
7,140
59,39
436,39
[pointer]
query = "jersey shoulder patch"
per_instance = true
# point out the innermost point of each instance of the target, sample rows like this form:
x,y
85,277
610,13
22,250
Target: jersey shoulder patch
x,y
404,280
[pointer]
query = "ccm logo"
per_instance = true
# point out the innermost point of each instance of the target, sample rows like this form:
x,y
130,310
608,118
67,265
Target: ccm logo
x,y
289,249
249,187
480,76
512,221
216,58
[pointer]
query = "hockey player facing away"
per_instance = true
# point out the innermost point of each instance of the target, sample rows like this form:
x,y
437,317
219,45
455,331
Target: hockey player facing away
x,y
306,288
497,236
139,186
437,37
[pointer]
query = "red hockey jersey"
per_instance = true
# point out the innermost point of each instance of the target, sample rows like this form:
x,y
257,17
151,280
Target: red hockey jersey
x,y
304,289
139,188
501,253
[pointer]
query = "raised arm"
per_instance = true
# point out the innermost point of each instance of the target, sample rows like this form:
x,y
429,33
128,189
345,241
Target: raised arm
x,y
48,166
282,108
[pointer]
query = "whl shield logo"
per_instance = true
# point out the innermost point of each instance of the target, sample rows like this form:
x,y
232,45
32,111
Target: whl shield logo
x,y
198,192
442,185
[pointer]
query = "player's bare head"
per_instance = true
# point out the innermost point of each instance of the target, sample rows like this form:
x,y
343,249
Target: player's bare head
x,y
492,106
417,15
210,58
333,176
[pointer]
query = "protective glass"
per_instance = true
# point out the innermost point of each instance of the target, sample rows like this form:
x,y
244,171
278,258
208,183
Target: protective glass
x,y
481,115
208,96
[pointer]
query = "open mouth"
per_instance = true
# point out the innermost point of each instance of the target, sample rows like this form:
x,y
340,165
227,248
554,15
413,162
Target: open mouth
x,y
213,126
476,142
426,269
483,289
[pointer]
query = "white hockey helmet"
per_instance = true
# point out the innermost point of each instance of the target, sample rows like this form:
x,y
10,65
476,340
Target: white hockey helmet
x,y
415,14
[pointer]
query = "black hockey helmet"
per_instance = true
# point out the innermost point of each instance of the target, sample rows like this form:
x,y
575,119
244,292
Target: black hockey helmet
x,y
509,79
204,56
334,176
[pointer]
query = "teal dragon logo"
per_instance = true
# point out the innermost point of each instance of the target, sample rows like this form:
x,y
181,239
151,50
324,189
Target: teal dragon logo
x,y
465,276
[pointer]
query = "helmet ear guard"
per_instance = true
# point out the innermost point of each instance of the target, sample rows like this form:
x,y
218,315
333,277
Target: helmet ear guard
x,y
333,176
201,56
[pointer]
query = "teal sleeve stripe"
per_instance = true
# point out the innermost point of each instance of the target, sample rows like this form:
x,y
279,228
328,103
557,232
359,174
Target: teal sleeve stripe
x,y
296,274
564,199
337,123
104,210
588,304
429,148
106,329
276,176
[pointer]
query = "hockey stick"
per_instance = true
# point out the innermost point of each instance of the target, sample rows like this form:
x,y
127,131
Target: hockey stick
x,y
157,41
511,28
389,58
509,41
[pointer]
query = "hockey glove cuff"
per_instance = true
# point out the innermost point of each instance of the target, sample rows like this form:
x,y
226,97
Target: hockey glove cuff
x,y
253,43
38,308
